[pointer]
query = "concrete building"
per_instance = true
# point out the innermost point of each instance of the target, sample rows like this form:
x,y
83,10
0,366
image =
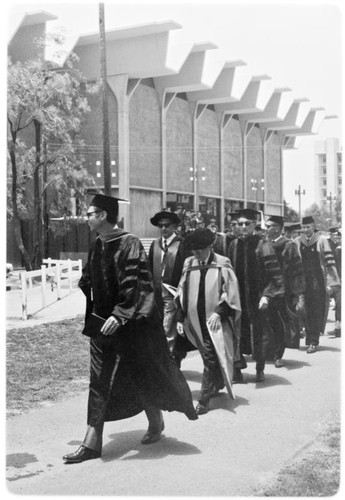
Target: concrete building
x,y
328,171
186,128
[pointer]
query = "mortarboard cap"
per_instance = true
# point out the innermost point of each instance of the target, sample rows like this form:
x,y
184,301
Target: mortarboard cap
x,y
109,204
334,229
292,226
233,215
276,219
249,213
308,220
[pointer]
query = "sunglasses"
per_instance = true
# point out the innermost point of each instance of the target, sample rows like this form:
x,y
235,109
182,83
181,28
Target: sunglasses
x,y
247,223
88,215
161,226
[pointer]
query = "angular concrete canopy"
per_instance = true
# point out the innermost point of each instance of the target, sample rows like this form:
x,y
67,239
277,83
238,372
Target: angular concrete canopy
x,y
199,71
141,51
31,19
255,97
229,86
295,117
292,142
310,125
276,109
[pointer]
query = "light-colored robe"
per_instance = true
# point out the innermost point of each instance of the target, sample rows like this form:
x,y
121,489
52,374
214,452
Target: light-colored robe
x,y
220,286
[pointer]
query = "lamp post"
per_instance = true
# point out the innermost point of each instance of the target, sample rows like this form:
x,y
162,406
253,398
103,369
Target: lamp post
x,y
195,176
299,193
257,186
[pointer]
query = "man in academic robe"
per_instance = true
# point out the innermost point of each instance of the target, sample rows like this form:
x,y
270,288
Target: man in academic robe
x,y
166,257
133,370
282,311
260,280
335,244
209,313
321,280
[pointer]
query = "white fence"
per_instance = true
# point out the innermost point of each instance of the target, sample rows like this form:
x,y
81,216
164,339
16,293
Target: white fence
x,y
51,274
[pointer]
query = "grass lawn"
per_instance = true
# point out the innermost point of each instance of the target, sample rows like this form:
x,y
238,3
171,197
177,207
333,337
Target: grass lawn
x,y
45,363
315,472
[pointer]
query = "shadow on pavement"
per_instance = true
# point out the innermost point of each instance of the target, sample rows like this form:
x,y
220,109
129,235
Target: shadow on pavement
x,y
270,381
127,446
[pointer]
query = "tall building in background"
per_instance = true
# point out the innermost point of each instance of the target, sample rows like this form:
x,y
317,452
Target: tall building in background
x,y
328,171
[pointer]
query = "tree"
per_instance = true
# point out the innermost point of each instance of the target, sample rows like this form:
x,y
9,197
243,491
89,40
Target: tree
x,y
45,109
290,215
322,215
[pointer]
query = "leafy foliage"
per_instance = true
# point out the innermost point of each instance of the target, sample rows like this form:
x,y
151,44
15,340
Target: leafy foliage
x,y
45,110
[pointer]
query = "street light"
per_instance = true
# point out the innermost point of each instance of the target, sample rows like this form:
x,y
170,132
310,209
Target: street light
x,y
257,186
299,193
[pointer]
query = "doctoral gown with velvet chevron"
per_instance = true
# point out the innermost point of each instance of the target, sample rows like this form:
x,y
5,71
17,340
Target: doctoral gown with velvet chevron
x,y
137,367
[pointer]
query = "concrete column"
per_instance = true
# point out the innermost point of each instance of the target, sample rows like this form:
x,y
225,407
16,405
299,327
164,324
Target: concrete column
x,y
266,136
123,88
165,99
197,111
245,130
223,120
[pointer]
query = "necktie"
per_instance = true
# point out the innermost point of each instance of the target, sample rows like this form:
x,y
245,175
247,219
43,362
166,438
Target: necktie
x,y
165,245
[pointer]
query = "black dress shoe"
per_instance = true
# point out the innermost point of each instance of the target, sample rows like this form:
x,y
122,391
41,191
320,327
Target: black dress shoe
x,y
237,376
201,408
81,455
260,376
153,436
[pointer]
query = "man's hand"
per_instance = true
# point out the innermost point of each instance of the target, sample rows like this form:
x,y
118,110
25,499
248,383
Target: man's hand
x,y
301,303
110,326
180,329
214,322
263,304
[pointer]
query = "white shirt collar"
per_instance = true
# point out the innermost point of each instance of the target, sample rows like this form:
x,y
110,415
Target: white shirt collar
x,y
168,240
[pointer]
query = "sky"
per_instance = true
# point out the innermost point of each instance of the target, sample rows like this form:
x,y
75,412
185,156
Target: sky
x,y
298,44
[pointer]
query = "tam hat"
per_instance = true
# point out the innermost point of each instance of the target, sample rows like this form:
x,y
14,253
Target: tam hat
x,y
276,219
308,220
109,204
199,239
248,213
165,214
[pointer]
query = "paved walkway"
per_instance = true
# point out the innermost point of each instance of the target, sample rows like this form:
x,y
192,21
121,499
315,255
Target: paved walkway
x,y
226,452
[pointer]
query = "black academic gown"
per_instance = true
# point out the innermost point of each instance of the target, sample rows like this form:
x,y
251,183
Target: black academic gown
x,y
137,368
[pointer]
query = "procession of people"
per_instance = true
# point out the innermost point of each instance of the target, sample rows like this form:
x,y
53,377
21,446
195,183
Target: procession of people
x,y
249,291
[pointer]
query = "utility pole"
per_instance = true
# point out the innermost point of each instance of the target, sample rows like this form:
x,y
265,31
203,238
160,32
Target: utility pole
x,y
103,64
299,193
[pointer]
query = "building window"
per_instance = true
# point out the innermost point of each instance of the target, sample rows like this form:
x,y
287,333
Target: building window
x,y
324,170
322,159
339,181
324,193
339,158
324,182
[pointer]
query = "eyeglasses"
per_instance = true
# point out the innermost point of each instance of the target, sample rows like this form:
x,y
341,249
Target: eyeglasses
x,y
161,226
88,215
246,223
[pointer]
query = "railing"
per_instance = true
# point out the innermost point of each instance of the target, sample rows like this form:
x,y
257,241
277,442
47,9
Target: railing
x,y
51,276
